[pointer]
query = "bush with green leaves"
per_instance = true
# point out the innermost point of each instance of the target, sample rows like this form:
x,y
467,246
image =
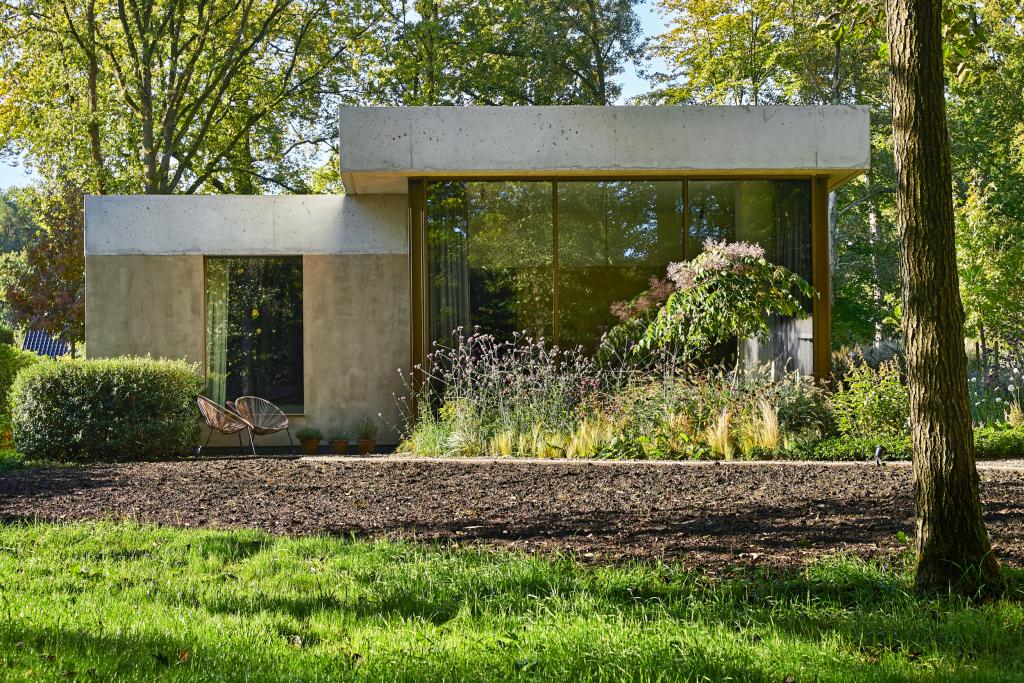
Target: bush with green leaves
x,y
727,292
993,442
12,361
872,401
854,447
79,410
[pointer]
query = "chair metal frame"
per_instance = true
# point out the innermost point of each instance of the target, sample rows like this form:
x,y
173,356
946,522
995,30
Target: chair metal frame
x,y
263,418
223,421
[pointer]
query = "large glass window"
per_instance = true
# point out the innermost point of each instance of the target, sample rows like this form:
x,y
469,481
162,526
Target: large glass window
x,y
490,248
613,237
552,257
254,329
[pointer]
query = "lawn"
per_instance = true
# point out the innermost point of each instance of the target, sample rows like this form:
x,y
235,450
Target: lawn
x,y
109,602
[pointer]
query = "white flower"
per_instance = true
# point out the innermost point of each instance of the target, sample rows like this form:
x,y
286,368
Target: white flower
x,y
1010,387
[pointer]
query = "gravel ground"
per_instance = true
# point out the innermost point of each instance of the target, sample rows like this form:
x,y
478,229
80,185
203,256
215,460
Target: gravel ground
x,y
706,515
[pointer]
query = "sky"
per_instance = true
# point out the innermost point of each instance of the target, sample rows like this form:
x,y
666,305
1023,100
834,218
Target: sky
x,y
13,174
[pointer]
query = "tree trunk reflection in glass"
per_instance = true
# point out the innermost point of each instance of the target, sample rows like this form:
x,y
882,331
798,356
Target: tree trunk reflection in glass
x,y
613,237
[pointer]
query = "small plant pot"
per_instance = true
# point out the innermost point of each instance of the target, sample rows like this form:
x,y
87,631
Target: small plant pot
x,y
339,446
310,446
367,446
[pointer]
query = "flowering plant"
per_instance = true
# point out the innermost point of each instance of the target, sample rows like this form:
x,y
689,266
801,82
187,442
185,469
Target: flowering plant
x,y
727,292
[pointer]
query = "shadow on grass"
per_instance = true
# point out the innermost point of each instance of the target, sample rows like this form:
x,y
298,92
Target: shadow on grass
x,y
858,619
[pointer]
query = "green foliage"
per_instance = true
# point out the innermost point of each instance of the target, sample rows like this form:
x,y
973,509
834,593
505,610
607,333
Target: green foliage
x,y
194,605
79,410
365,428
502,52
339,434
12,361
725,293
995,442
172,96
872,402
309,433
856,447
46,290
6,335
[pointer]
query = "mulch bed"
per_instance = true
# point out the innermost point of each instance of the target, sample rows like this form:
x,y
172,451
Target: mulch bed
x,y
706,515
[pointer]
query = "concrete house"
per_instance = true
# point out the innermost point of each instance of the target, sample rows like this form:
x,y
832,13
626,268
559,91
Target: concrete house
x,y
506,218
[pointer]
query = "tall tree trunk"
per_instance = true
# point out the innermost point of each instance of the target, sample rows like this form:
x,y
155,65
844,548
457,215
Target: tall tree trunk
x,y
875,240
953,549
92,83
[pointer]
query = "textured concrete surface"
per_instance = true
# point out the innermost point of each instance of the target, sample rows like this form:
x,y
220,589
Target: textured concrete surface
x,y
382,146
356,328
246,225
138,305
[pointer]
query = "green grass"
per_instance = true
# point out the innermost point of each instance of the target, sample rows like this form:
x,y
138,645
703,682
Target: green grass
x,y
115,602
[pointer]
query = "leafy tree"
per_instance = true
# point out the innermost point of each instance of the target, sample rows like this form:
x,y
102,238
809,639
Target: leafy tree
x,y
172,96
47,291
16,223
953,549
501,52
727,292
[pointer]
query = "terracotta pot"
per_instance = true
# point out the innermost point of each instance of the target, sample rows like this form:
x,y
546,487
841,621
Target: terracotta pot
x,y
367,446
339,446
310,446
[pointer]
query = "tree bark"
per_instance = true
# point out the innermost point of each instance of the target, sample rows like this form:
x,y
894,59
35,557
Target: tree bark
x,y
953,549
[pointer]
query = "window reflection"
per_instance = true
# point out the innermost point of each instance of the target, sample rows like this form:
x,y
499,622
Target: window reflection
x,y
612,238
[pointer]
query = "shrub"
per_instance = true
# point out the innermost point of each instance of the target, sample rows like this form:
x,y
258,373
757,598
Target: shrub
x,y
82,410
871,401
12,360
6,335
994,442
478,388
849,447
365,428
724,294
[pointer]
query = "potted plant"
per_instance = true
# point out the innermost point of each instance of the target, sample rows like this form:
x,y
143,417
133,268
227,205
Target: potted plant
x,y
309,437
366,435
339,439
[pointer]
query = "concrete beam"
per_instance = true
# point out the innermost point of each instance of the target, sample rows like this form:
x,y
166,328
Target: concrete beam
x,y
383,146
246,225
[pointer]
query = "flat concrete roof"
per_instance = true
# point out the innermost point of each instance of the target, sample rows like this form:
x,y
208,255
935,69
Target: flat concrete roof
x,y
381,147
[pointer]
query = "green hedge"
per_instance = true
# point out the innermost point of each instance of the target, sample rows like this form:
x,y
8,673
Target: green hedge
x,y
990,443
121,408
859,448
999,442
12,360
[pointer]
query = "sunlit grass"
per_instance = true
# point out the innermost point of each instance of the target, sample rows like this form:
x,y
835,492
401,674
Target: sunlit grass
x,y
114,602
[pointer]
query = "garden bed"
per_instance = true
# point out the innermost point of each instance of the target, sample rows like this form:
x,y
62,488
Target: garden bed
x,y
704,514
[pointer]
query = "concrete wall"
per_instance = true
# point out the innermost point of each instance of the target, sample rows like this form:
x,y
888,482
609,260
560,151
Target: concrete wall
x,y
381,146
246,225
145,279
356,329
138,305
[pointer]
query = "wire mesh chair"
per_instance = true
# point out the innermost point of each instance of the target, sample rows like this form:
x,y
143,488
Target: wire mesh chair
x,y
223,421
263,417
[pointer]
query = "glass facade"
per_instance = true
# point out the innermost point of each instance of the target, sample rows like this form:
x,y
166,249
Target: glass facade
x,y
254,329
551,257
613,237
